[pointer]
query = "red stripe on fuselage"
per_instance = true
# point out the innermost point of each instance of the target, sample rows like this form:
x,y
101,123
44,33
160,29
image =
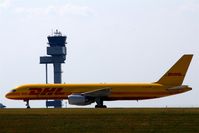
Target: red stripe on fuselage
x,y
46,91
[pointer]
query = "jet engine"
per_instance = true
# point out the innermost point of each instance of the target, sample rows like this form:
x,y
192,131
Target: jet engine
x,y
78,99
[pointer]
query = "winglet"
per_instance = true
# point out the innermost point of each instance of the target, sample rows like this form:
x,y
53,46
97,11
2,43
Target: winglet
x,y
176,74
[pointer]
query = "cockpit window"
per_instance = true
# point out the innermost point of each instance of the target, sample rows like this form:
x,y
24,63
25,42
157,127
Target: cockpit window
x,y
14,90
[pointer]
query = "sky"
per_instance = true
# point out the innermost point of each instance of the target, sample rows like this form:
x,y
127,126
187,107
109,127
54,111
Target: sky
x,y
107,41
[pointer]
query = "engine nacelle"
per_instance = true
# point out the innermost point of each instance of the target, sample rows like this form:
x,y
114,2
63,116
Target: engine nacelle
x,y
77,99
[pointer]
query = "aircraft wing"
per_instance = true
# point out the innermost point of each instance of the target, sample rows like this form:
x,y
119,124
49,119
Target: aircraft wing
x,y
89,97
98,93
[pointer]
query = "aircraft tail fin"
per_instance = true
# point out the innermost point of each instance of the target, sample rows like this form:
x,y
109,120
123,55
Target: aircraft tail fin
x,y
176,74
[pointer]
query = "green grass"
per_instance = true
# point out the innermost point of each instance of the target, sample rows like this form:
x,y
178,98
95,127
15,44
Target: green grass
x,y
140,120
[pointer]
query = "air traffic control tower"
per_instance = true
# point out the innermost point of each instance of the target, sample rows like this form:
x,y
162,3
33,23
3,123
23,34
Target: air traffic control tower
x,y
57,55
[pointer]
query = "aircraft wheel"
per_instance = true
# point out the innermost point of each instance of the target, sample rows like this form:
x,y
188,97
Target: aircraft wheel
x,y
104,106
98,106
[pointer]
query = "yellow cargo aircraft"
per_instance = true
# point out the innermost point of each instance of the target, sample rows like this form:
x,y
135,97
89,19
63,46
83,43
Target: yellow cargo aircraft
x,y
84,94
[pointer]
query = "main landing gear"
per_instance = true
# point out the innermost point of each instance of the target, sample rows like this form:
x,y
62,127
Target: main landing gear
x,y
27,104
100,104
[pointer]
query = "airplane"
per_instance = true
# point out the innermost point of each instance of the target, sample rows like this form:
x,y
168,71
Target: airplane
x,y
84,94
2,106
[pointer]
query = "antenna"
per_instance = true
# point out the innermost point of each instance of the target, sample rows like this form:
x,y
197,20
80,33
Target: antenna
x,y
51,32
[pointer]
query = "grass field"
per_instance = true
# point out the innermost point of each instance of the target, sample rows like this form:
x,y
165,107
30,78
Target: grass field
x,y
140,120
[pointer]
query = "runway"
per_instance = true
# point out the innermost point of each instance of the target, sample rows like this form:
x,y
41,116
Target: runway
x,y
117,120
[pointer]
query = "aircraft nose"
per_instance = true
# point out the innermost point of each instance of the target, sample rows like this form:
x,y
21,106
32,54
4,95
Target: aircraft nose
x,y
9,95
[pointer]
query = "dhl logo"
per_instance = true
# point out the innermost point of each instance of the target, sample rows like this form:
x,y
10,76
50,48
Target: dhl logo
x,y
175,74
46,91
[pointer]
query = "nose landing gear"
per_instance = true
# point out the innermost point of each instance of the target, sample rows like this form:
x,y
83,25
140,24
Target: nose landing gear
x,y
27,104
